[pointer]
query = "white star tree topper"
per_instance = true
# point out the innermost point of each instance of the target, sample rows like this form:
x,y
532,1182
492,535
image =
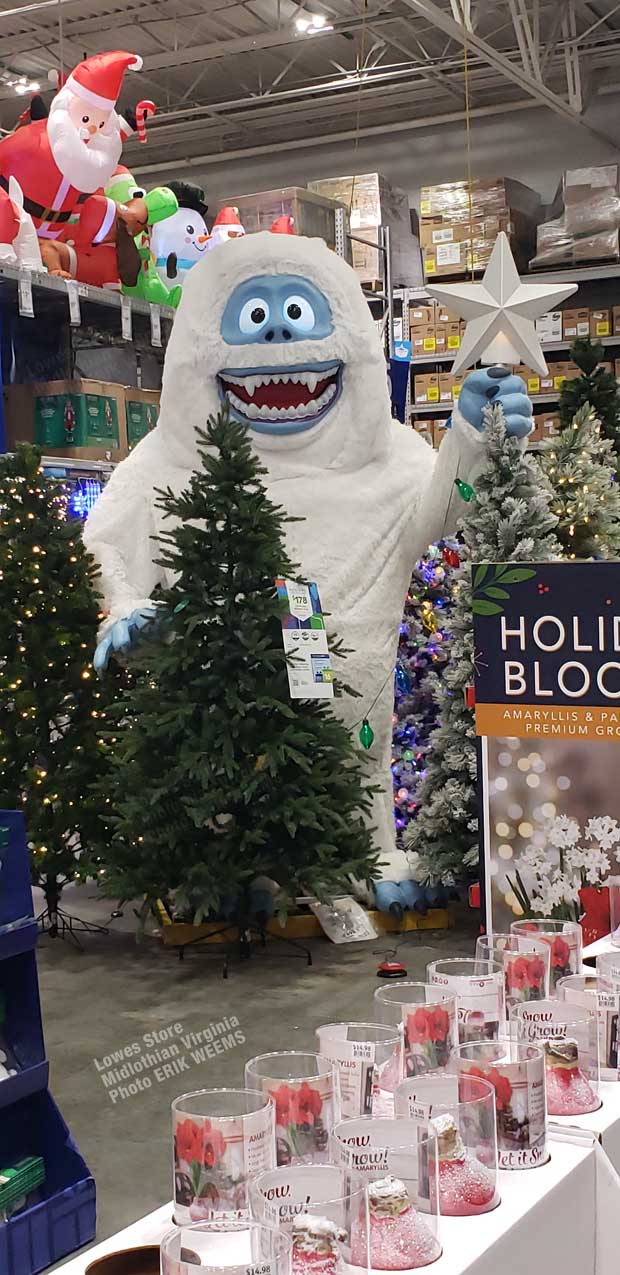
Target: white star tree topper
x,y
500,312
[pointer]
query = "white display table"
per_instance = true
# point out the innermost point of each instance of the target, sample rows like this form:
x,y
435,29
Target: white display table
x,y
604,1123
593,950
548,1217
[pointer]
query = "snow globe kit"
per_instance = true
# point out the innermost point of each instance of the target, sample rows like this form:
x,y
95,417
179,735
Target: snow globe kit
x,y
565,941
526,964
225,1247
585,990
478,985
517,1072
323,1211
569,1036
461,1111
221,1139
369,1058
398,1164
427,1017
305,1090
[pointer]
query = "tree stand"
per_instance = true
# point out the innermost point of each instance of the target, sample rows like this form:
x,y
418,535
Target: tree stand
x,y
53,920
242,946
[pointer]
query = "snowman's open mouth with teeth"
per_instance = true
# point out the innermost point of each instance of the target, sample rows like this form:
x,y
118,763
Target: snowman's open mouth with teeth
x,y
281,400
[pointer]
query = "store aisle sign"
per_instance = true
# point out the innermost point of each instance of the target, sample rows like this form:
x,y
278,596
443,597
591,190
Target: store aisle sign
x,y
547,695
310,673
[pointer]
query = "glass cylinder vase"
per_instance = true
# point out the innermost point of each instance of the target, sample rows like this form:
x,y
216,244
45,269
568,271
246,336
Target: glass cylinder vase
x,y
565,939
478,985
517,1072
401,1174
427,1018
304,1088
585,990
221,1137
226,1248
370,1062
326,1216
569,1037
461,1111
526,963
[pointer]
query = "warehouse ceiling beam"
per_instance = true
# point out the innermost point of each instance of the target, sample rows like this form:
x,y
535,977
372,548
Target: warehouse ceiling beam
x,y
510,70
462,13
571,57
529,47
423,60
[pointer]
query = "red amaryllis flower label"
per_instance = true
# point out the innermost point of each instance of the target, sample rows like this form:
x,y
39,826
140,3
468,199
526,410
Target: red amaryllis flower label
x,y
525,975
213,1160
304,1118
430,1035
520,1106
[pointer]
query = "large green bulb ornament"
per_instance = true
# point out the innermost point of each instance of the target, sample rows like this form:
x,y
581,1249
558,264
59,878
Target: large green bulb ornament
x,y
464,489
367,734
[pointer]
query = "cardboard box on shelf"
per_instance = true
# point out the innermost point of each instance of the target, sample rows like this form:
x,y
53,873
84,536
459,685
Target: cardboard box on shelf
x,y
373,201
441,425
487,197
600,323
446,384
550,424
313,213
142,412
571,372
425,426
615,319
617,367
444,315
422,337
575,323
530,378
426,388
457,382
421,314
83,419
547,381
607,366
549,326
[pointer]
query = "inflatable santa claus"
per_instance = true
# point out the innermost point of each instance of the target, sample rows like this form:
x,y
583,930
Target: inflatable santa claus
x,y
62,163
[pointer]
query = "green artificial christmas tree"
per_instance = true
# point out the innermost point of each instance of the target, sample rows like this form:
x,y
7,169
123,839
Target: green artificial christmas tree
x,y
580,465
507,519
219,776
595,386
51,707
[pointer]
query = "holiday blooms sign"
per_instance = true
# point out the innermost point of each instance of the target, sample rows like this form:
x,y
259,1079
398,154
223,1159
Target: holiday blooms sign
x,y
547,690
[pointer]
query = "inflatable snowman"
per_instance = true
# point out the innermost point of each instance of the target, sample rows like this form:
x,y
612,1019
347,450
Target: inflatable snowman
x,y
280,331
179,242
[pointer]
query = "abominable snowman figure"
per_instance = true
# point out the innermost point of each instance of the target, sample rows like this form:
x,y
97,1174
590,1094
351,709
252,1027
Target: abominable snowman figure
x,y
279,329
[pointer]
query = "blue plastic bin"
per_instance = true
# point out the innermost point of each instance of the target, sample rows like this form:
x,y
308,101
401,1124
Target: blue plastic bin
x,y
15,888
65,1217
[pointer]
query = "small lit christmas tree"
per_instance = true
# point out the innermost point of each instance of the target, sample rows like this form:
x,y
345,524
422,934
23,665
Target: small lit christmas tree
x,y
580,466
220,776
596,386
51,706
508,519
421,657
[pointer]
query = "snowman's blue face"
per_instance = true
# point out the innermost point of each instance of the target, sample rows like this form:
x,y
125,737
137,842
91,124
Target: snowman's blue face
x,y
267,313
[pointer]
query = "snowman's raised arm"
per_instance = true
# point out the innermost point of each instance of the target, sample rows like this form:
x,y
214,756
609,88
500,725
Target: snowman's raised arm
x,y
462,452
119,533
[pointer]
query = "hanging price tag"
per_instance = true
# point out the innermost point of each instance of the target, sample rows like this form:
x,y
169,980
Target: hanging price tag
x,y
75,317
126,318
155,325
26,305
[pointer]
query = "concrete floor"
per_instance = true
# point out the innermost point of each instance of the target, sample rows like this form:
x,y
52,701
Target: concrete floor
x,y
114,992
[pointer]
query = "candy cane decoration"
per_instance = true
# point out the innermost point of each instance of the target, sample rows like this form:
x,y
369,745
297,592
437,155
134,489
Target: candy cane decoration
x,y
144,109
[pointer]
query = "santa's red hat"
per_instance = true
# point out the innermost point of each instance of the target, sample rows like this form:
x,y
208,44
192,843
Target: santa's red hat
x,y
98,80
227,217
282,226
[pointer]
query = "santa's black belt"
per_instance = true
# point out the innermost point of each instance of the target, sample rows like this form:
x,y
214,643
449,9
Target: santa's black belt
x,y
38,210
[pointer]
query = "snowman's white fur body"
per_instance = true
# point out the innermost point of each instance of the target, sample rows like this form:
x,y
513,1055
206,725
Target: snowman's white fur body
x,y
372,494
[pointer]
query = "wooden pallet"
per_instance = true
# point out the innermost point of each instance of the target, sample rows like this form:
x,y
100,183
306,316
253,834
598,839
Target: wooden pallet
x,y
300,925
